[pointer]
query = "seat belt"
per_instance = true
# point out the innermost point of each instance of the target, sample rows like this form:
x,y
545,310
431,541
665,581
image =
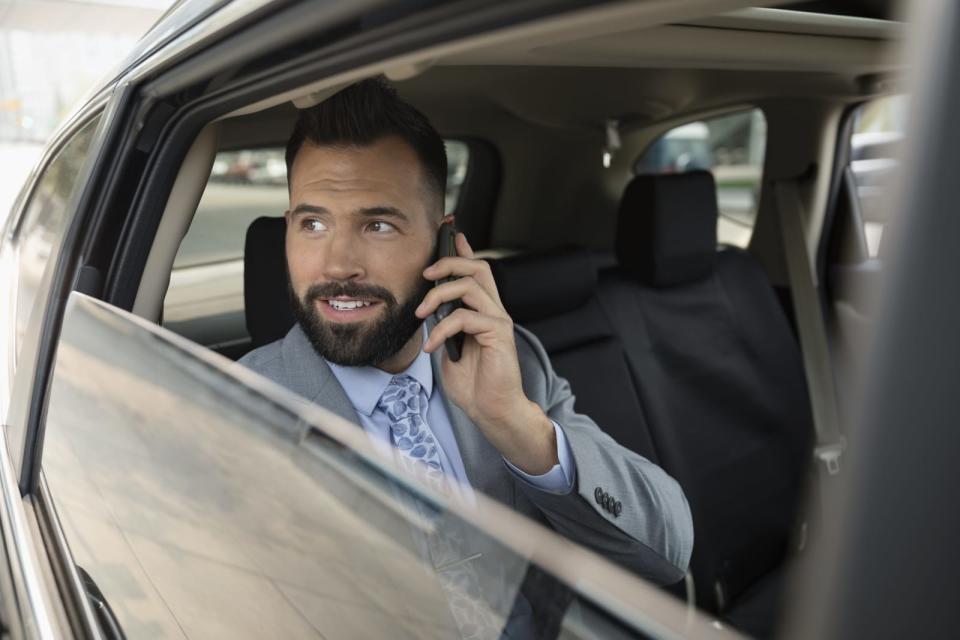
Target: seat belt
x,y
813,336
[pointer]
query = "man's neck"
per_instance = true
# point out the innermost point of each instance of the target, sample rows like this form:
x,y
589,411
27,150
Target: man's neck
x,y
402,359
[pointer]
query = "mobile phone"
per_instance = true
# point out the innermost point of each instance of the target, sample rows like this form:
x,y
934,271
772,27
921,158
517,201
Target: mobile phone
x,y
446,246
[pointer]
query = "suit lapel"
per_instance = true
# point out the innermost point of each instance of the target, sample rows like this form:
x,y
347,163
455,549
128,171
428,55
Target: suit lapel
x,y
311,377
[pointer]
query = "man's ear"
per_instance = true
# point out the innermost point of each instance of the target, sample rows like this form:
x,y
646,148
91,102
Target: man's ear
x,y
447,218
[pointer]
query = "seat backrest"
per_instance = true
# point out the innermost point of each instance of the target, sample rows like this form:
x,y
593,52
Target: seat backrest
x,y
552,294
719,375
265,292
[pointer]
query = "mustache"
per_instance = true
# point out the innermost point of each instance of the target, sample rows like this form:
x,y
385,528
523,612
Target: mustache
x,y
349,290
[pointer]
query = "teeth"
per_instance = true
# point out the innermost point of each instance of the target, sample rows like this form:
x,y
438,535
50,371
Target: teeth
x,y
347,305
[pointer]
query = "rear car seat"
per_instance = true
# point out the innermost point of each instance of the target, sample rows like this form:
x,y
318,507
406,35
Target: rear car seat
x,y
553,294
720,379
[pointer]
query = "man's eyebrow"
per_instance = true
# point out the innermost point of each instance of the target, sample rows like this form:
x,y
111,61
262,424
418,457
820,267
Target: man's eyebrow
x,y
308,208
366,212
382,212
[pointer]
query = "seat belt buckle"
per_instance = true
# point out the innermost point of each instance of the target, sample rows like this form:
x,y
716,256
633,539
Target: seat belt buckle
x,y
829,455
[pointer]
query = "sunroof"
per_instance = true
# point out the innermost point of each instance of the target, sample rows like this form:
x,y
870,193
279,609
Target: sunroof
x,y
878,9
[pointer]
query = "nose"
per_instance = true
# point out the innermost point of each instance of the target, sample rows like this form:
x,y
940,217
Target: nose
x,y
343,259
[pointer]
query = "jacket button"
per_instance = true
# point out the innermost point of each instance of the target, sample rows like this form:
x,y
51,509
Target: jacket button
x,y
607,502
598,495
617,508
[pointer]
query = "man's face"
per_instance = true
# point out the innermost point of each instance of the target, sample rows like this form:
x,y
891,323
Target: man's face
x,y
359,234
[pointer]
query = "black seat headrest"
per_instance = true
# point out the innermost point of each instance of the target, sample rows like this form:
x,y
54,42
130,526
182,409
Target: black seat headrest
x,y
540,285
265,297
667,228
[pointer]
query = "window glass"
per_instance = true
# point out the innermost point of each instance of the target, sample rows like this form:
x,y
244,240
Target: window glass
x,y
207,278
44,223
732,148
203,509
874,147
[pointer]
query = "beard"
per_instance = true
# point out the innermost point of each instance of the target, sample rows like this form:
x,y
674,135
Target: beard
x,y
359,344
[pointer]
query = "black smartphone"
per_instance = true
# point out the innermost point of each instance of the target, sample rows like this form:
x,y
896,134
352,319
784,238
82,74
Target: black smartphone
x,y
446,246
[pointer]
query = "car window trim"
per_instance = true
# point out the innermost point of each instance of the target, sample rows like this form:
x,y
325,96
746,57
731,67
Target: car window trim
x,y
66,572
28,435
33,600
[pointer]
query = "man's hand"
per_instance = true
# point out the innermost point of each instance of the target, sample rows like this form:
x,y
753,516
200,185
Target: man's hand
x,y
486,382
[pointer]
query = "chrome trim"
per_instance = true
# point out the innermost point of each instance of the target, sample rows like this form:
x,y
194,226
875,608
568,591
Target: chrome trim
x,y
45,502
31,594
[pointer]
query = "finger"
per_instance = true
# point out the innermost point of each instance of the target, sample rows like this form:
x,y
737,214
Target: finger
x,y
479,270
455,267
466,289
487,330
463,247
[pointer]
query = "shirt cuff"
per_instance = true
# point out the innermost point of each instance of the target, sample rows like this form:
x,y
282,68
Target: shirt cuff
x,y
560,478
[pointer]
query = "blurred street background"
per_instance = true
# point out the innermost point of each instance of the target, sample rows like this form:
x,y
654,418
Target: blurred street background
x,y
52,52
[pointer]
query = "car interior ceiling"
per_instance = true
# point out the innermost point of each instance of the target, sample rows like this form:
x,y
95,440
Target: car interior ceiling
x,y
678,348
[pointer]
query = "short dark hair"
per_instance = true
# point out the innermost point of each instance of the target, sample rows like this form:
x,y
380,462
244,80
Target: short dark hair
x,y
362,114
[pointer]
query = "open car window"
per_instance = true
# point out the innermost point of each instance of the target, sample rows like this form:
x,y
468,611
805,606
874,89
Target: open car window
x,y
204,501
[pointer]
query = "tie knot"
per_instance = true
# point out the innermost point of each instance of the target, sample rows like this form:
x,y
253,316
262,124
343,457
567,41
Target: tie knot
x,y
401,398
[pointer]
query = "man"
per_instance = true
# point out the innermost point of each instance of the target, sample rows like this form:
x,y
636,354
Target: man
x,y
367,175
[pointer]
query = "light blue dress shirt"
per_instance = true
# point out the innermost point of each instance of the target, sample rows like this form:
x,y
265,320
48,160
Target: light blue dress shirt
x,y
365,385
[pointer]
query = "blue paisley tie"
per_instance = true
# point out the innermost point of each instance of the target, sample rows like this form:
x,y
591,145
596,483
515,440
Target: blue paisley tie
x,y
402,403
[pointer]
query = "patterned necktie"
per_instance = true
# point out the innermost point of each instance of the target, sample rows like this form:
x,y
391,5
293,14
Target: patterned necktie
x,y
401,402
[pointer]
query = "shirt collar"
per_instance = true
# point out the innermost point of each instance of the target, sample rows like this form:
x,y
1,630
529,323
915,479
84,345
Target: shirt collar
x,y
365,385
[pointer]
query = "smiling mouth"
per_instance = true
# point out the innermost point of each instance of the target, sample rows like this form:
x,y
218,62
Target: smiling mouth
x,y
348,304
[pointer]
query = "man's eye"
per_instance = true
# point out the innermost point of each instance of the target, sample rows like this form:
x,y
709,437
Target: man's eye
x,y
312,224
379,226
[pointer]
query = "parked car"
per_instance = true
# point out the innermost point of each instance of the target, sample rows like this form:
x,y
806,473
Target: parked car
x,y
152,487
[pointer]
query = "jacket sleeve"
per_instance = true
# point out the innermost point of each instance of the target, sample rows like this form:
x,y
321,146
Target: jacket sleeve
x,y
623,506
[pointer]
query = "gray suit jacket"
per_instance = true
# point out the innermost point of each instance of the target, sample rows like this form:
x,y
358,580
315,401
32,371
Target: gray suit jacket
x,y
623,506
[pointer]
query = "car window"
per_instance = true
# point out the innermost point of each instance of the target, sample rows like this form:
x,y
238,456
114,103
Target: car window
x,y
203,508
729,146
877,136
43,224
207,278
